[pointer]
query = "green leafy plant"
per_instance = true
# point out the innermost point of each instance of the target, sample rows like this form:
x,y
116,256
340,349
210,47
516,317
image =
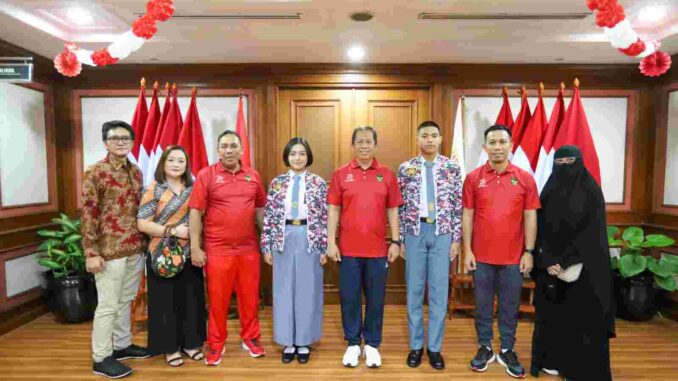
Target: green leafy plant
x,y
632,261
61,251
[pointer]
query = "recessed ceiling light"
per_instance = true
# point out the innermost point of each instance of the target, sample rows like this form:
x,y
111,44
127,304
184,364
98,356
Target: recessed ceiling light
x,y
79,16
651,13
356,53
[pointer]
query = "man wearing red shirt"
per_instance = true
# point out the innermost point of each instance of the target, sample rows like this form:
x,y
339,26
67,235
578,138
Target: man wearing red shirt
x,y
362,195
226,201
499,225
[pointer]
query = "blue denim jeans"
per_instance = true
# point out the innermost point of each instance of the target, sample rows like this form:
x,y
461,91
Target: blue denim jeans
x,y
506,281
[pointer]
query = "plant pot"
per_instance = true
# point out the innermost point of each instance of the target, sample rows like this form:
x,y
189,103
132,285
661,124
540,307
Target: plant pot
x,y
71,299
635,297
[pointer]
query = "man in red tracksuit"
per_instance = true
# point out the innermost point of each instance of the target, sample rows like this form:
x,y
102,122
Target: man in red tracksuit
x,y
226,201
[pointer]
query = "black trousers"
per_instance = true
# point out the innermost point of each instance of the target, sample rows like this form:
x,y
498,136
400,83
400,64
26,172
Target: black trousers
x,y
176,310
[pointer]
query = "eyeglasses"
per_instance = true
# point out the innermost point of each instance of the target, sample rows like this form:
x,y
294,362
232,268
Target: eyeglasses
x,y
565,160
119,139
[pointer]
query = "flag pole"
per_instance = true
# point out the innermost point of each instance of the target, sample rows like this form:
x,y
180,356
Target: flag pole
x,y
541,88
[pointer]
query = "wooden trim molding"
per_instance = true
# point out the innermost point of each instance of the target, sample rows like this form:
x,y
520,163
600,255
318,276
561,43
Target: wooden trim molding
x,y
660,149
26,296
77,96
631,123
50,150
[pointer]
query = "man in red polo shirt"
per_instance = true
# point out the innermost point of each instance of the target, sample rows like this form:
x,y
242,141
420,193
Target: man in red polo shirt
x,y
499,225
226,201
362,195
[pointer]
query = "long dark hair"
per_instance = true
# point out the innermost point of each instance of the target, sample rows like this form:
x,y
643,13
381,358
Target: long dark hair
x,y
186,178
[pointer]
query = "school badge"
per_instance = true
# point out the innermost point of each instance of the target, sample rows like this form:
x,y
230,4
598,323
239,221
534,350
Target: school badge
x,y
380,178
411,171
277,187
514,181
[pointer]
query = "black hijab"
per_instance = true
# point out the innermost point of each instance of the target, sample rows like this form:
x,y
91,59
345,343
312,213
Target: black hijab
x,y
572,224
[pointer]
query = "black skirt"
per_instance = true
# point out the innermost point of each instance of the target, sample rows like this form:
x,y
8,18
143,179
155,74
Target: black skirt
x,y
176,310
571,332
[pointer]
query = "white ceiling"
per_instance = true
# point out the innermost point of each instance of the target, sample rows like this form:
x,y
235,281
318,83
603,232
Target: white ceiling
x,y
325,32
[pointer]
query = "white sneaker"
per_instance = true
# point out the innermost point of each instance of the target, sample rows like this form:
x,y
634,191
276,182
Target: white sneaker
x,y
372,357
351,356
551,372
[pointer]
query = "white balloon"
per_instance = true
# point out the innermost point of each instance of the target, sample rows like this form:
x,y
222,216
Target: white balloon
x,y
621,36
125,44
84,56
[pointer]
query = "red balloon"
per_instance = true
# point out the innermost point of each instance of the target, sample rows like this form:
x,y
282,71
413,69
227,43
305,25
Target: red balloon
x,y
144,27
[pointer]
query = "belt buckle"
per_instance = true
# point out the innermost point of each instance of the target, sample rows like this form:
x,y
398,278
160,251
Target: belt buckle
x,y
429,220
296,222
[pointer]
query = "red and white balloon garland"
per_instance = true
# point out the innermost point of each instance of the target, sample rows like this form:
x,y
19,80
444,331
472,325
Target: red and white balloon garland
x,y
69,62
611,17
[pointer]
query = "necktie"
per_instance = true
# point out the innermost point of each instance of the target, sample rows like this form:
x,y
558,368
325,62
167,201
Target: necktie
x,y
295,197
430,190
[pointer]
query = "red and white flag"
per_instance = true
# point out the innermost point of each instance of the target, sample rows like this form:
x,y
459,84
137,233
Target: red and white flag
x,y
139,122
526,155
170,130
150,129
575,131
522,120
505,118
191,138
149,174
545,162
241,129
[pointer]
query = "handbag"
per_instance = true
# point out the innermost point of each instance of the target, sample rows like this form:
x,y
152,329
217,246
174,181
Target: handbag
x,y
571,274
168,259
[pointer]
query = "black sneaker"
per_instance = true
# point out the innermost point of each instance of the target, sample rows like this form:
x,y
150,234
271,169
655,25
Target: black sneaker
x,y
132,352
111,368
484,357
509,360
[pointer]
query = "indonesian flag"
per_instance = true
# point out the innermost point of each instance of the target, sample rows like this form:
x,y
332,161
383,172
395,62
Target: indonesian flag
x,y
241,129
191,138
545,163
139,122
575,131
521,121
526,156
505,118
149,175
150,129
170,131
458,136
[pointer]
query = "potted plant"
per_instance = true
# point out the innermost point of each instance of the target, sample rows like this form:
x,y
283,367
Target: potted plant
x,y
70,292
636,274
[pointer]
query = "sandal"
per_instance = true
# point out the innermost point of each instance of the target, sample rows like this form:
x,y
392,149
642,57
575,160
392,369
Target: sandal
x,y
175,361
196,356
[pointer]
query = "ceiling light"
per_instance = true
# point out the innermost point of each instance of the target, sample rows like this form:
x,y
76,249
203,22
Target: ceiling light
x,y
356,53
79,16
651,14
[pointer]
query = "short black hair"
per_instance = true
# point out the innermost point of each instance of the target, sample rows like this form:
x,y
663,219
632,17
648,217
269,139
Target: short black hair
x,y
498,127
288,148
228,132
364,128
113,124
428,123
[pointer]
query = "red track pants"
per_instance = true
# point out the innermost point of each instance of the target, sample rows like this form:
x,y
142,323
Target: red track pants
x,y
224,272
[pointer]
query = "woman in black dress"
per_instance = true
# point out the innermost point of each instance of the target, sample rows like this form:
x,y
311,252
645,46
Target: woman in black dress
x,y
176,305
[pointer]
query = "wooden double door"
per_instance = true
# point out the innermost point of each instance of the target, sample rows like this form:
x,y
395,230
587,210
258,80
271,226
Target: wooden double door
x,y
327,117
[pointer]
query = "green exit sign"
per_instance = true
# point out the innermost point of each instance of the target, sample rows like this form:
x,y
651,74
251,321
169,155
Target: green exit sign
x,y
16,72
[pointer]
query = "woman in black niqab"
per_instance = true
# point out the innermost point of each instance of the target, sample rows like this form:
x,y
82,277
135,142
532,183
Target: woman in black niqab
x,y
573,321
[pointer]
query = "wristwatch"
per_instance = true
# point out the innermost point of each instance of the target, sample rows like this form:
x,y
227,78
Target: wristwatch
x,y
173,231
531,251
396,242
